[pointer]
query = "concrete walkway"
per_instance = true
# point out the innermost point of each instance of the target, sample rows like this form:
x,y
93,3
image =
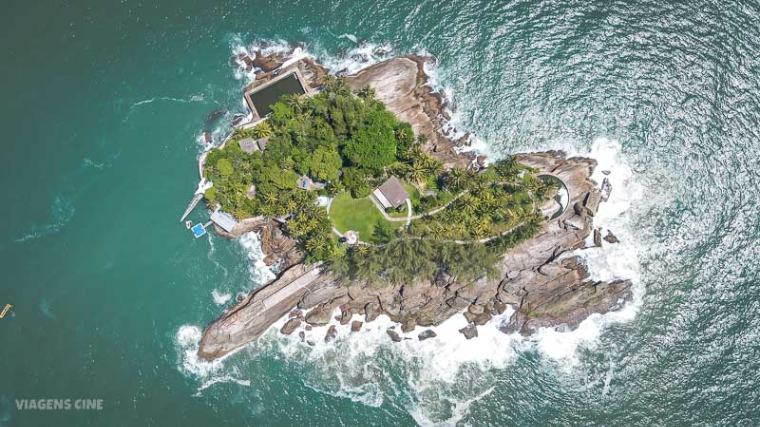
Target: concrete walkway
x,y
410,217
458,242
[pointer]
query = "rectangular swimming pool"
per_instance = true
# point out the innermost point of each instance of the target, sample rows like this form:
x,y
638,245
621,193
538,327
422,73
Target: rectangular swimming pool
x,y
263,98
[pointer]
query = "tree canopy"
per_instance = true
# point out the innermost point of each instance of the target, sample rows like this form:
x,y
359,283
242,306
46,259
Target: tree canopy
x,y
351,142
337,138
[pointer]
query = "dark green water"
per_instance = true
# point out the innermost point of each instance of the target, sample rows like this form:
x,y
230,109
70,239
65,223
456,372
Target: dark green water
x,y
102,106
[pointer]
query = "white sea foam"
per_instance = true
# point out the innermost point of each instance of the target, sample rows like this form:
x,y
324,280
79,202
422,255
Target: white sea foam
x,y
260,273
610,262
351,37
356,58
187,341
458,409
211,251
454,127
89,162
199,97
265,46
358,365
220,298
348,62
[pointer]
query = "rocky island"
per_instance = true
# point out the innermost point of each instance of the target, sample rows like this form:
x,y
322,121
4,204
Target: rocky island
x,y
372,213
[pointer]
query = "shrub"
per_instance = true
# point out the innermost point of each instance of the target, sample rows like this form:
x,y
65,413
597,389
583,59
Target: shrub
x,y
224,167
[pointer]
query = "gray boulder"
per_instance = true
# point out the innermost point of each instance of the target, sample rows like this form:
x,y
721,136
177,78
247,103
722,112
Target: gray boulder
x,y
427,333
290,326
470,331
395,337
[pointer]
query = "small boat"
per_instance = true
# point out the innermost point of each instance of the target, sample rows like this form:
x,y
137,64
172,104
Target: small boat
x,y
188,224
5,311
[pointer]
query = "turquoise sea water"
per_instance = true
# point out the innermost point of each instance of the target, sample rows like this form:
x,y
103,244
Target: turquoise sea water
x,y
102,106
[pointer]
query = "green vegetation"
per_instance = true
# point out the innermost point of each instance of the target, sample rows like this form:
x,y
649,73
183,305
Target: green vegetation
x,y
359,215
351,144
337,138
496,200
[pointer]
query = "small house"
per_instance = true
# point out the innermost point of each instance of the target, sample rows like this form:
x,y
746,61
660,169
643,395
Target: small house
x,y
391,194
248,145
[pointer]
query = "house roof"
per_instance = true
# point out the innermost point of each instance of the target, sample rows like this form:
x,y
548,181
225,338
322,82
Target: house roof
x,y
262,143
248,145
393,191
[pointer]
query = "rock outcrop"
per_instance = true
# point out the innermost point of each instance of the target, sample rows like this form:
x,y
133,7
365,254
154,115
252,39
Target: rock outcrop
x,y
540,278
426,334
290,326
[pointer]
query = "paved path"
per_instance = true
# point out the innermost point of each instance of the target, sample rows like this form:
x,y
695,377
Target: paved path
x,y
458,242
409,217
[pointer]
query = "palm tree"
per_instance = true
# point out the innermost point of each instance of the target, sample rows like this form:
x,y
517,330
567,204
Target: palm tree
x,y
296,102
456,178
457,229
468,203
507,167
488,199
401,134
481,227
417,172
269,198
316,245
262,130
291,205
433,166
413,153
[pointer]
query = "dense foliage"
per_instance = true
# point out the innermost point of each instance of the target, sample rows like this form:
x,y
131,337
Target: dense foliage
x,y
493,211
337,138
351,143
489,203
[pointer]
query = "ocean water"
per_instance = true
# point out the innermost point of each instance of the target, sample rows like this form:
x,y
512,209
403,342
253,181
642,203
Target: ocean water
x,y
103,104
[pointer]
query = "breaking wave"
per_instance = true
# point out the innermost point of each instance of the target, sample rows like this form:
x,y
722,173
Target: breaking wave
x,y
437,380
220,298
349,61
610,262
259,272
187,341
369,368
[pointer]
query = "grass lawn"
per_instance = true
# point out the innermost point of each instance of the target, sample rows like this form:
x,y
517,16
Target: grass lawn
x,y
359,215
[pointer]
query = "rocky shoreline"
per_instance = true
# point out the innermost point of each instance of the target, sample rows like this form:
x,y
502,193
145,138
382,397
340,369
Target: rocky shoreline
x,y
540,279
